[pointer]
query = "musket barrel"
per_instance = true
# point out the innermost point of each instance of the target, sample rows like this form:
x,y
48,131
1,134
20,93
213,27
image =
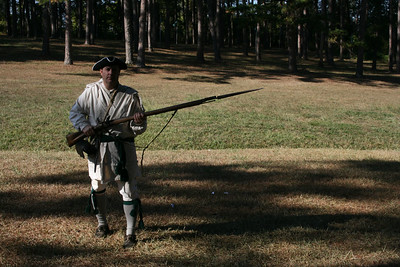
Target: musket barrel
x,y
73,138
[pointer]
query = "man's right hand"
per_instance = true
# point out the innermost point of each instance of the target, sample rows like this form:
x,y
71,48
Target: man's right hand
x,y
88,130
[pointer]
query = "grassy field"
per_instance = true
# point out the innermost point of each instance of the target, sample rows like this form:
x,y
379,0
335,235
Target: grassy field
x,y
263,207
316,108
302,173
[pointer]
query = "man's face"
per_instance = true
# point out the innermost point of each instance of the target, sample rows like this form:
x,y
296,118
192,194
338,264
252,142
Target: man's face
x,y
110,75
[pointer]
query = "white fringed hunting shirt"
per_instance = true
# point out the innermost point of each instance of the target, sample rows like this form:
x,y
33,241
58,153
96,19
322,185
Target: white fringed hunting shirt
x,y
90,109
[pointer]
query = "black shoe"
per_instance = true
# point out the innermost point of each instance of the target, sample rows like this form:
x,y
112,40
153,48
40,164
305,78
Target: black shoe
x,y
102,231
130,241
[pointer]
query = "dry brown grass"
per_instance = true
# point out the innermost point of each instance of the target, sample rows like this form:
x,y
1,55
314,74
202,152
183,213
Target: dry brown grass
x,y
267,207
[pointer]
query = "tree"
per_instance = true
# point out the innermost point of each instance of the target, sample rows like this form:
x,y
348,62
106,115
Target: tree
x,y
150,5
128,30
291,35
79,6
398,39
89,23
200,37
14,19
140,62
213,15
245,29
391,43
68,29
8,17
167,22
186,19
334,25
135,24
322,37
361,36
257,41
34,19
341,25
54,19
330,17
46,30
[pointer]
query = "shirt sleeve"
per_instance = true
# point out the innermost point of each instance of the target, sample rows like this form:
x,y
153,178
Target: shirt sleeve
x,y
79,114
138,107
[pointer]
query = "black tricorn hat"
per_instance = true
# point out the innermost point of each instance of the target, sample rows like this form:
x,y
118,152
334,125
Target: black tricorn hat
x,y
109,61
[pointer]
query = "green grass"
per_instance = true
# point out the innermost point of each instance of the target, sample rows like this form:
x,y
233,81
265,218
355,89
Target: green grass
x,y
316,108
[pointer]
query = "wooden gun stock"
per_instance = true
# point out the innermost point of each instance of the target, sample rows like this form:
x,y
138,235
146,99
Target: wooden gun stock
x,y
74,138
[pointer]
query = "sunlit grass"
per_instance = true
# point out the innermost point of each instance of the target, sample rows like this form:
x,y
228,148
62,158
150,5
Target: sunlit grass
x,y
309,110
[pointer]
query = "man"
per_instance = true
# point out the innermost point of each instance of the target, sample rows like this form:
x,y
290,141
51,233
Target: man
x,y
114,156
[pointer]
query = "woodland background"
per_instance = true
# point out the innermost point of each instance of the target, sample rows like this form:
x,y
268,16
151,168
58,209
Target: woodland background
x,y
333,29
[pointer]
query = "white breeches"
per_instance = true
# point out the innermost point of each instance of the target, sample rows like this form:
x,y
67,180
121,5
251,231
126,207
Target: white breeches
x,y
128,190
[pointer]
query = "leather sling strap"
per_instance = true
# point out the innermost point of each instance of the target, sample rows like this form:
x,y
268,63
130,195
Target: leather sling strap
x,y
110,104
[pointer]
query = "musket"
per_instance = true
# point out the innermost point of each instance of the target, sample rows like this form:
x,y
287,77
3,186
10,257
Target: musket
x,y
74,138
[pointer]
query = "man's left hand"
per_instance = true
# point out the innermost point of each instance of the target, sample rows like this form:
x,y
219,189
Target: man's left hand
x,y
139,117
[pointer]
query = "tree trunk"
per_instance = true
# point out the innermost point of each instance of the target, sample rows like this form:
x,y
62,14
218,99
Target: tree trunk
x,y
305,36
230,27
391,35
245,33
316,39
140,62
135,21
8,18
291,37
257,42
14,18
322,36
213,13
200,37
330,16
27,18
93,24
68,29
194,31
35,23
218,30
361,36
53,19
341,26
375,53
300,40
88,28
149,25
167,37
186,20
46,30
398,39
128,31
79,15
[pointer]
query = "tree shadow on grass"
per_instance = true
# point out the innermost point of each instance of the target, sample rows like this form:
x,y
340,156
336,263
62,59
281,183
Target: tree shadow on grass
x,y
255,224
252,204
179,59
244,185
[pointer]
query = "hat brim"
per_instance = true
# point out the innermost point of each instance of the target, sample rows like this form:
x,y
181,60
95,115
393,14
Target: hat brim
x,y
109,61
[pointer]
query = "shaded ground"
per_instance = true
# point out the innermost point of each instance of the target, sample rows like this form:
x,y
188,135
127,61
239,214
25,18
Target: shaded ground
x,y
246,207
180,57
